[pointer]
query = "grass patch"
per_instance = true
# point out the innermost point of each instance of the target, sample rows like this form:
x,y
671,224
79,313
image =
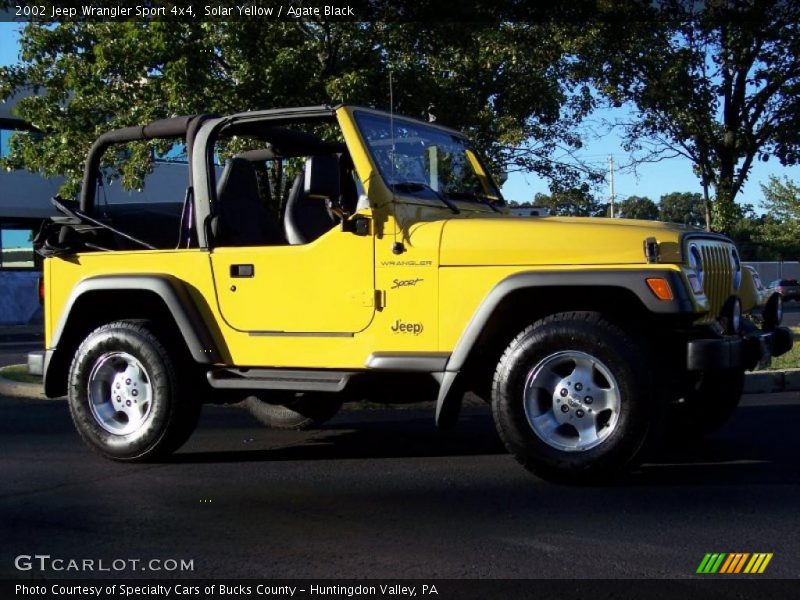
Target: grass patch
x,y
19,373
790,360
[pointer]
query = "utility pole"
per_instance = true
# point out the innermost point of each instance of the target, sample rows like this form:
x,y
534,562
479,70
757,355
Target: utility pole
x,y
611,183
702,150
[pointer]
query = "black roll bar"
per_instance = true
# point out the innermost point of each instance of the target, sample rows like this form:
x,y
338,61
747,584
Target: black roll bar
x,y
175,127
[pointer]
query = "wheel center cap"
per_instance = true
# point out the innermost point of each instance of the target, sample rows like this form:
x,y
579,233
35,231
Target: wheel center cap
x,y
570,400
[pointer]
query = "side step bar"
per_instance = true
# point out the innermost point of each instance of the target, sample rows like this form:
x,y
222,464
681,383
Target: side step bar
x,y
301,380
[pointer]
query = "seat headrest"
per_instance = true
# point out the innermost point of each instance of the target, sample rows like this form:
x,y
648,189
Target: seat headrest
x,y
238,181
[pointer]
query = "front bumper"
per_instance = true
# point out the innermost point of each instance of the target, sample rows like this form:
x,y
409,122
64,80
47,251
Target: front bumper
x,y
737,351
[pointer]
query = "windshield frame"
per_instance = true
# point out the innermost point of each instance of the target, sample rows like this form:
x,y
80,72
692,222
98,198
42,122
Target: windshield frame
x,y
490,195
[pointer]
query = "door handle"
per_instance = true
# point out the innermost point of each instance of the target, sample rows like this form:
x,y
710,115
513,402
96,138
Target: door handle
x,y
243,271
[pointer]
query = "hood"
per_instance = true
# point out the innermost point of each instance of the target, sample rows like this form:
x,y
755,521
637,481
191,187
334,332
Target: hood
x,y
555,241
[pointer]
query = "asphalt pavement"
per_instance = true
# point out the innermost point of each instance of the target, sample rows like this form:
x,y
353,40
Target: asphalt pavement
x,y
382,493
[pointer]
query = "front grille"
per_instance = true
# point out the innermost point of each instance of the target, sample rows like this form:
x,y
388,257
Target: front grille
x,y
718,282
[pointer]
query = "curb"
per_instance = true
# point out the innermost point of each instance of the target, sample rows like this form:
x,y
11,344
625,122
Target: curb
x,y
770,382
760,382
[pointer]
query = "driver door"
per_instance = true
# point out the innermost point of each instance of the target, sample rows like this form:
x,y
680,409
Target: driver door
x,y
326,286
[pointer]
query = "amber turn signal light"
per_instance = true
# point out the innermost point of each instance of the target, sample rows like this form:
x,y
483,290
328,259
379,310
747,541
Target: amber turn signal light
x,y
660,287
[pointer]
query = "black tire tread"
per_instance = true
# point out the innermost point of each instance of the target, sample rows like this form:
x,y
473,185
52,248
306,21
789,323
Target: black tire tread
x,y
565,472
184,414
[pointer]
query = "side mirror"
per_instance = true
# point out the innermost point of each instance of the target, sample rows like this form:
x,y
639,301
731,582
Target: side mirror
x,y
322,178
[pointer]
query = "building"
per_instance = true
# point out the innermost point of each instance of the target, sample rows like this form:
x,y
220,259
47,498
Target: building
x,y
25,204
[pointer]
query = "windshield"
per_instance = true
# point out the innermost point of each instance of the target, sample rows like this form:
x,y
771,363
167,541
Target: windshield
x,y
425,161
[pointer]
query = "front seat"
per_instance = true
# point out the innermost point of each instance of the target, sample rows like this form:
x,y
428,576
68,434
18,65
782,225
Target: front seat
x,y
241,218
308,218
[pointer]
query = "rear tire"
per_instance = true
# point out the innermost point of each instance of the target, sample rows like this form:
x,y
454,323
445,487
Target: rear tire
x,y
572,400
294,411
124,396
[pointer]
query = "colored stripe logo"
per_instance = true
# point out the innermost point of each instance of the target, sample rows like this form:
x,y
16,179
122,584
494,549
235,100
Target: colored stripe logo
x,y
735,562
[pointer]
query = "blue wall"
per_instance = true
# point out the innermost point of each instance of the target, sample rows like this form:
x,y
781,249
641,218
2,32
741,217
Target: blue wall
x,y
19,298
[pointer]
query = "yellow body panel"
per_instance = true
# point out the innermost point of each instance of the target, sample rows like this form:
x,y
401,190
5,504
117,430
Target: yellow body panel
x,y
498,240
326,286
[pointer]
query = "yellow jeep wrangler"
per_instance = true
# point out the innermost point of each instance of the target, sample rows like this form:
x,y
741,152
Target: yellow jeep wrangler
x,y
343,253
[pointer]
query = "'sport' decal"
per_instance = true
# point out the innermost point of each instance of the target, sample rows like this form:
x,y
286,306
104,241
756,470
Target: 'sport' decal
x,y
398,283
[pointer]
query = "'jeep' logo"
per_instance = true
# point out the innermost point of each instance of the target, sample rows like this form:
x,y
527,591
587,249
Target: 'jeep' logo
x,y
400,327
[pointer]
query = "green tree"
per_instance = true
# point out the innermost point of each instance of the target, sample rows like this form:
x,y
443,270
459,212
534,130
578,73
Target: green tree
x,y
782,200
573,202
638,207
715,82
781,223
506,84
682,207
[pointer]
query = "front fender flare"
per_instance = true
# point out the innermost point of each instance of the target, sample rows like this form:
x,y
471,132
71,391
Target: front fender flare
x,y
631,280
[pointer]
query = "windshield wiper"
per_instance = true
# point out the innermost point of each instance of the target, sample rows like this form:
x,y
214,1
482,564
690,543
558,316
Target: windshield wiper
x,y
482,198
415,186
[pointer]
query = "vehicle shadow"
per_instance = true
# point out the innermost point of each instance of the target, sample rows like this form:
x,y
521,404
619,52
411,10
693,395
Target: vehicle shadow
x,y
758,446
382,434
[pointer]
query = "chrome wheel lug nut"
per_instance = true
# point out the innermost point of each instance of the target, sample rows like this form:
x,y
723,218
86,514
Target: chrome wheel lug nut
x,y
578,387
564,408
564,392
127,382
588,399
580,413
135,393
128,403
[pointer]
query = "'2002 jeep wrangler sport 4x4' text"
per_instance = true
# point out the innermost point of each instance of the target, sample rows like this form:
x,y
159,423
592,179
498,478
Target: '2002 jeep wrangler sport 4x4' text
x,y
344,253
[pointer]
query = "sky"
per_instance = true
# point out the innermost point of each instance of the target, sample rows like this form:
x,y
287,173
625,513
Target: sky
x,y
652,180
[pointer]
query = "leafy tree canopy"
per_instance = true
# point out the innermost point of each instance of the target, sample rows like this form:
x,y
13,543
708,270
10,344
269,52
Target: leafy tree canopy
x,y
781,223
682,207
638,207
508,85
717,82
573,202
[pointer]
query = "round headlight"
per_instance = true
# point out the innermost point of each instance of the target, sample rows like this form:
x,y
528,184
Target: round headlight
x,y
696,262
736,265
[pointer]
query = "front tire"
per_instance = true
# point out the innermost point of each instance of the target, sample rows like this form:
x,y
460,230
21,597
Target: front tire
x,y
124,396
571,398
